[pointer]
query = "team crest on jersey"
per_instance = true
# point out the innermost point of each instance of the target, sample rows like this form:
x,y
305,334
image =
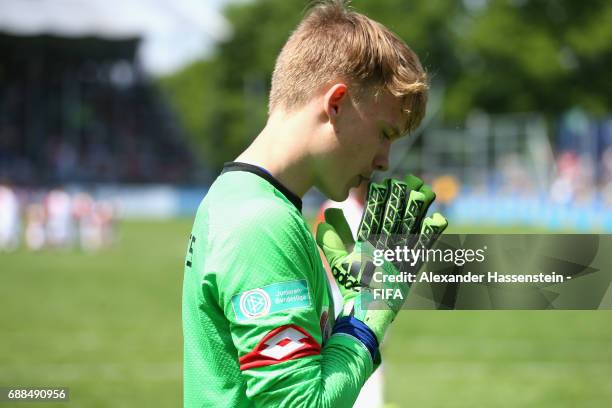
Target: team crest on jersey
x,y
281,344
255,303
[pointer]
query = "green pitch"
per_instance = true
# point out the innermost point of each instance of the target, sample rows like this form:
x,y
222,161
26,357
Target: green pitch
x,y
108,326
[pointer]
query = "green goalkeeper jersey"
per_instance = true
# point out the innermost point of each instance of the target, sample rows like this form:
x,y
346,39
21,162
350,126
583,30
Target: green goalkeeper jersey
x,y
257,308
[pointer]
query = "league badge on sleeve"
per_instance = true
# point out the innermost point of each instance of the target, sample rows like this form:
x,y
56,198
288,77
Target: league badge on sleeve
x,y
273,298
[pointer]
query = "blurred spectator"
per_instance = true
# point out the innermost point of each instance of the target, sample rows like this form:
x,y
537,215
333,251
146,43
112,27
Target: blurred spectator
x,y
607,177
446,188
66,118
562,189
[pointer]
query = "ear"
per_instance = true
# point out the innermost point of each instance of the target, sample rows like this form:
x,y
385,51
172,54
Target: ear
x,y
333,100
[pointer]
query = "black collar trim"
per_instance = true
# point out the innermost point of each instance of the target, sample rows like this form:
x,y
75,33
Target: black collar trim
x,y
238,166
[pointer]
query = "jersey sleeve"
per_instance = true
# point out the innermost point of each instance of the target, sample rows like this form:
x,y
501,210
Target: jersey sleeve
x,y
271,295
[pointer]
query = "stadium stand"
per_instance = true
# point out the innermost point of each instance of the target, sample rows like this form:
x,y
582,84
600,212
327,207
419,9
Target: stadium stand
x,y
80,109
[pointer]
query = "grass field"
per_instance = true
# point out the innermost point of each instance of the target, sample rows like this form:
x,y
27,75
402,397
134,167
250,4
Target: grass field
x,y
108,326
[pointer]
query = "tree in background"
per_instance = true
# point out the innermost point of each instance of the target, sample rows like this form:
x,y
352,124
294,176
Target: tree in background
x,y
494,55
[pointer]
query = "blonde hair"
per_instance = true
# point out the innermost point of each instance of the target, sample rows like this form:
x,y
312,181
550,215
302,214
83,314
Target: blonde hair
x,y
333,42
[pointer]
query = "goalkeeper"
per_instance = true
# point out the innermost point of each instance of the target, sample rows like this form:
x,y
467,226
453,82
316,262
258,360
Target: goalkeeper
x,y
258,321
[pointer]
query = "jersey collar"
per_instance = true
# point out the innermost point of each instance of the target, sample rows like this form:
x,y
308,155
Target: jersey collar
x,y
239,166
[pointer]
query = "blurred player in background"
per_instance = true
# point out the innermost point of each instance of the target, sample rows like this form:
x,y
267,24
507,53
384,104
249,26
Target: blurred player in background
x,y
59,221
90,236
9,219
94,221
106,218
35,231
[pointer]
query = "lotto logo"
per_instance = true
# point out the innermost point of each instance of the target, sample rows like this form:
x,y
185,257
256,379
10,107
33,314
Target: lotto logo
x,y
281,344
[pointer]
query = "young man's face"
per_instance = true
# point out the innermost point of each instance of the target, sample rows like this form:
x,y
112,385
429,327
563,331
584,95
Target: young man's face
x,y
363,137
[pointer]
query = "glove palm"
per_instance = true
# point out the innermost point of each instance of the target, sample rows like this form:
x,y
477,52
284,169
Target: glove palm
x,y
394,216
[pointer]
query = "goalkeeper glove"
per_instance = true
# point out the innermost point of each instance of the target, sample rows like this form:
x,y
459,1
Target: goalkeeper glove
x,y
394,215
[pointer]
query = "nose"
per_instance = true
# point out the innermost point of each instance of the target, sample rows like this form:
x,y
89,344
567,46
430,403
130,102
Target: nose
x,y
381,160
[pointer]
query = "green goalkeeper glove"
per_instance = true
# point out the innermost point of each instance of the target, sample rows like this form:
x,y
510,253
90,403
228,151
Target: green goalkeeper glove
x,y
394,215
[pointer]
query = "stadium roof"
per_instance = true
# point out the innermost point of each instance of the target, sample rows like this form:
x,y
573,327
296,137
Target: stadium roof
x,y
173,32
